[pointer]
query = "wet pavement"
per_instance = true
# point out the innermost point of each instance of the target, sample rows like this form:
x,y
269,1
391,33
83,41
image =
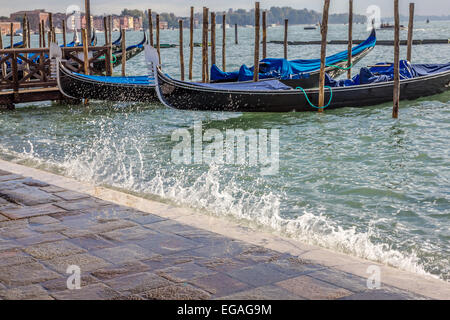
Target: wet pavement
x,y
125,253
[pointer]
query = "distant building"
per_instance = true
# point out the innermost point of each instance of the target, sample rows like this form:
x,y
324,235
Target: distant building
x,y
5,27
137,23
163,25
34,16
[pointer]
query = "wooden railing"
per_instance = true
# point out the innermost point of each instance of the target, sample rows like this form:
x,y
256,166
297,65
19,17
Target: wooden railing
x,y
30,68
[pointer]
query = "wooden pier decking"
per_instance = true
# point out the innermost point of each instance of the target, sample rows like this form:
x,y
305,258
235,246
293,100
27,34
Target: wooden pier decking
x,y
25,74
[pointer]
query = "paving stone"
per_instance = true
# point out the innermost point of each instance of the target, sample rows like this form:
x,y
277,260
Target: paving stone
x,y
16,233
310,288
176,292
97,291
165,261
125,234
54,227
35,183
120,270
382,294
204,237
167,243
52,189
43,220
31,292
147,219
341,279
184,272
110,226
4,173
170,226
92,242
110,212
40,238
136,283
71,195
60,284
219,284
294,266
258,254
80,204
24,274
9,177
77,233
8,245
14,257
32,211
224,264
50,250
28,196
125,253
227,249
3,218
270,292
14,224
85,261
258,275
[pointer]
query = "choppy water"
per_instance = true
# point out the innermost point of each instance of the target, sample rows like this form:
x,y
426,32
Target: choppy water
x,y
353,180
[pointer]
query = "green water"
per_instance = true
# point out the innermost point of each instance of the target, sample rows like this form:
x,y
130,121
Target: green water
x,y
353,180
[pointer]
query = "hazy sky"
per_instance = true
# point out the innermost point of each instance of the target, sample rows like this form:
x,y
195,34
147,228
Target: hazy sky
x,y
181,7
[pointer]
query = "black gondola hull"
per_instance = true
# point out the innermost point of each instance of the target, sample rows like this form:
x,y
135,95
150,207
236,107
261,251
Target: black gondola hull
x,y
182,95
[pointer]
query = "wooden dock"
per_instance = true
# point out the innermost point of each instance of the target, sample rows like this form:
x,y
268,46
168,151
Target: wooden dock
x,y
379,42
25,72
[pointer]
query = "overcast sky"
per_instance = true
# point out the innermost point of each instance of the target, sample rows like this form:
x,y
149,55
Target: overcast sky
x,y
181,7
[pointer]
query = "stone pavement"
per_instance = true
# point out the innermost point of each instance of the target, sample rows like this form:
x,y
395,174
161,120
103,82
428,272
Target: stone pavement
x,y
124,253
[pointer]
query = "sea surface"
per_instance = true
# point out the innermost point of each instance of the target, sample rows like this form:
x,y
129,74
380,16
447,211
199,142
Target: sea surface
x,y
352,180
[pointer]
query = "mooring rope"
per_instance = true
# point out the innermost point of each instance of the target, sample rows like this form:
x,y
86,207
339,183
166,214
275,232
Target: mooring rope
x,y
338,67
113,56
307,99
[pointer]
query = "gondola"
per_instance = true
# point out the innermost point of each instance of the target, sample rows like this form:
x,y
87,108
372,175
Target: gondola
x,y
304,73
274,96
131,51
80,86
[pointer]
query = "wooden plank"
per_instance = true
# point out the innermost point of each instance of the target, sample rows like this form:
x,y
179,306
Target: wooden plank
x,y
257,32
410,31
396,93
323,54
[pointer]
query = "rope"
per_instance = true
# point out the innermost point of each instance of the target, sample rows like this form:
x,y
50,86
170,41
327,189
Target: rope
x,y
113,55
307,99
338,67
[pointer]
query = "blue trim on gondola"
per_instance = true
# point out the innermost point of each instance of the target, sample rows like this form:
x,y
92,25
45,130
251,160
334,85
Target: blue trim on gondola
x,y
136,80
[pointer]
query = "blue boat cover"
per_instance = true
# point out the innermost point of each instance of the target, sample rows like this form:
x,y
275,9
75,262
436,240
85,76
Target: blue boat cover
x,y
386,73
142,80
285,69
267,85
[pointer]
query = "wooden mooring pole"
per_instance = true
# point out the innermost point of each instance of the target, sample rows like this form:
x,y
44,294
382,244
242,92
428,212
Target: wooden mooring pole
x,y
286,23
224,42
87,7
236,40
180,25
85,40
213,38
28,34
43,34
24,32
124,53
191,42
205,46
150,27
323,54
64,32
50,27
105,29
410,31
158,45
11,35
264,34
110,25
396,93
3,65
257,33
350,39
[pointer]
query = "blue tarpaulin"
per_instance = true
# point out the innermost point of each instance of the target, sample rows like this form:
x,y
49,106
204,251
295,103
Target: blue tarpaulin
x,y
285,69
386,73
265,85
